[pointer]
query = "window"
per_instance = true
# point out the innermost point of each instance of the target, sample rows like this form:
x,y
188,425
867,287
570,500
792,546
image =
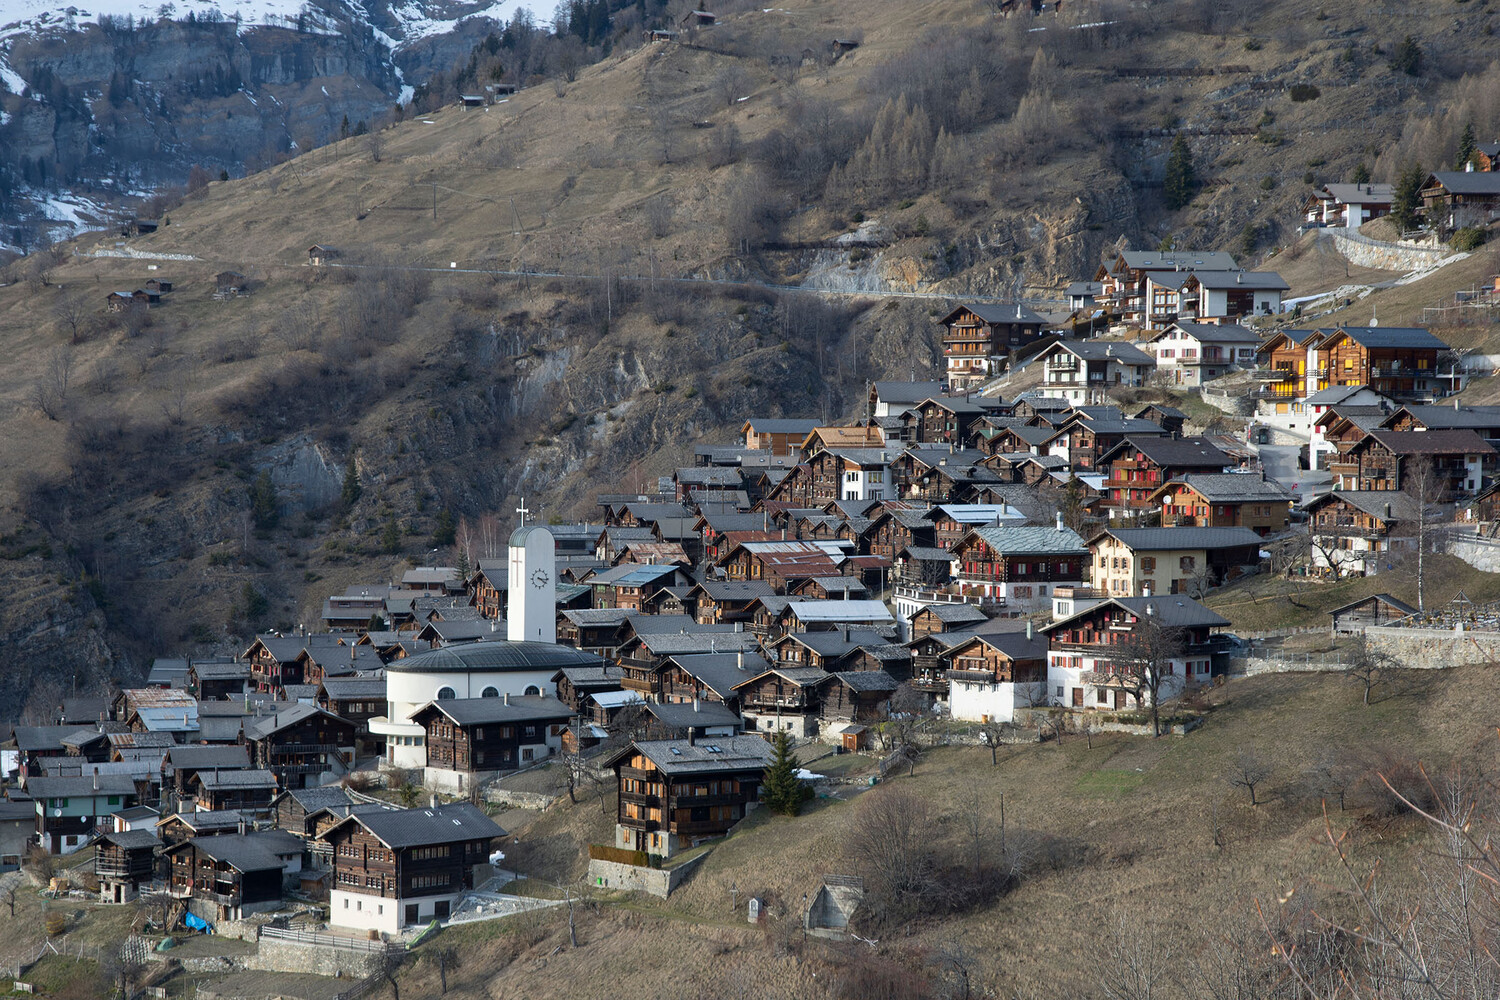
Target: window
x,y
446,693
1187,562
489,692
532,689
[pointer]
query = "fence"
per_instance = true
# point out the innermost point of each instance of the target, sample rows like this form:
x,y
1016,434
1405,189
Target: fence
x,y
361,988
328,940
19,965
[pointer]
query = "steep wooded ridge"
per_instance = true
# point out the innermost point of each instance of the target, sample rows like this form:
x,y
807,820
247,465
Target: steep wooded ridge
x,y
951,152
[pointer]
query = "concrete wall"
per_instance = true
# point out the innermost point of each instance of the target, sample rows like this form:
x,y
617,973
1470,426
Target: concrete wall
x,y
659,882
277,955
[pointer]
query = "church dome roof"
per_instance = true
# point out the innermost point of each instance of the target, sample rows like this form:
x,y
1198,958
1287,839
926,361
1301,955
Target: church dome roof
x,y
494,657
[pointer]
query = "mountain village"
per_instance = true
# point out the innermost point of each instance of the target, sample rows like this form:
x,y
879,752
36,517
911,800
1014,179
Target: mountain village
x,y
1022,547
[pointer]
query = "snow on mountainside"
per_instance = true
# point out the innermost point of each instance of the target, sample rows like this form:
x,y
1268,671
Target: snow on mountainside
x,y
410,20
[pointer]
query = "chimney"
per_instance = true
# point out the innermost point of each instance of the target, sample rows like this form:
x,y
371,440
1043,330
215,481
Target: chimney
x,y
1146,589
241,826
1059,521
740,660
692,737
1239,279
432,801
507,697
96,779
695,705
848,635
1387,512
1028,628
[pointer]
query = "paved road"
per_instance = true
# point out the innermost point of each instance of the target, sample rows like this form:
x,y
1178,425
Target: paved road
x,y
1280,464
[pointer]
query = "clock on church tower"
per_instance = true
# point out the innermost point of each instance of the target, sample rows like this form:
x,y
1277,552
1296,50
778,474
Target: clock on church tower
x,y
531,614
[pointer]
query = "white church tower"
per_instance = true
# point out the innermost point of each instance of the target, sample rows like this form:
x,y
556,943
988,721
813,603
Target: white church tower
x,y
531,612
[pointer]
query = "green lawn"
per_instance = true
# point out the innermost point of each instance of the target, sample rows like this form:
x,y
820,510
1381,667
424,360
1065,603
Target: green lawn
x,y
1109,783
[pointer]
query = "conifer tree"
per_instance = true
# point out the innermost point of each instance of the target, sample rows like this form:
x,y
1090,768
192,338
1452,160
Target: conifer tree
x,y
782,792
349,495
1179,180
1361,174
1467,147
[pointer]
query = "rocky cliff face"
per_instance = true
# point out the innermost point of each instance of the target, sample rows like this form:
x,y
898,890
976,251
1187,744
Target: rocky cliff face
x,y
93,113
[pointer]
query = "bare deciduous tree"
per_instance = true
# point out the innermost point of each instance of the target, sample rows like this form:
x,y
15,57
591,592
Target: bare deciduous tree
x,y
1143,659
1426,485
72,312
1248,770
1136,967
1334,773
50,391
889,836
1367,667
445,957
731,83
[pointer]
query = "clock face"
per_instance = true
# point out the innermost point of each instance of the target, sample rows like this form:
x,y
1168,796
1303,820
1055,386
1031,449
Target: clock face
x,y
540,579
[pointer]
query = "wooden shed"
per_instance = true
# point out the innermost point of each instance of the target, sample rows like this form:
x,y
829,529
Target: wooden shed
x,y
1379,609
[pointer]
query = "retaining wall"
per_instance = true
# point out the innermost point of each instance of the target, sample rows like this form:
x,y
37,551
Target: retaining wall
x,y
1385,256
280,955
659,882
1412,648
519,800
1479,553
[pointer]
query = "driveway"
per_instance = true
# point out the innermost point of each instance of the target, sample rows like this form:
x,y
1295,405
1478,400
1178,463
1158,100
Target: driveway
x,y
1280,463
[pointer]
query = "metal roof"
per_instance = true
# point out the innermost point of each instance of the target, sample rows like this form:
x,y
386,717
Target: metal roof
x,y
1029,540
401,828
839,611
493,657
707,755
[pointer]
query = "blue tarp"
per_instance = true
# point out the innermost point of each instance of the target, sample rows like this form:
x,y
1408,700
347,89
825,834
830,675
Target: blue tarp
x,y
197,923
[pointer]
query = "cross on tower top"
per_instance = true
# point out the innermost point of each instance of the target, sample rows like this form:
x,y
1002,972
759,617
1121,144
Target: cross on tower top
x,y
523,511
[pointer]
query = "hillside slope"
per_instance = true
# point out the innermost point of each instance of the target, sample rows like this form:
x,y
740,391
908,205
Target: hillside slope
x,y
740,154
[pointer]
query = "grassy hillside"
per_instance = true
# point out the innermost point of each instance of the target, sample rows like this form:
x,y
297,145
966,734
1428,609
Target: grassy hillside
x,y
1148,831
973,154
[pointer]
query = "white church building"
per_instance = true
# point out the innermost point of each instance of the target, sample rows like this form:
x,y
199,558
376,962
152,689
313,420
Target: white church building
x,y
523,665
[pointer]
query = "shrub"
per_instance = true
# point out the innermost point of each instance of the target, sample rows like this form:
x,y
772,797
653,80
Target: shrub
x,y
1305,92
1468,238
1253,45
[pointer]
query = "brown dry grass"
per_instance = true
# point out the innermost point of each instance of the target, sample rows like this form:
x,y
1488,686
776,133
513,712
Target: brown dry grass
x,y
1139,812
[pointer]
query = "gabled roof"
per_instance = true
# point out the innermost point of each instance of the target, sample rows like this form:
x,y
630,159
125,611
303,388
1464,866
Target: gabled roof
x,y
1478,182
262,728
131,840
80,786
1188,451
210,757
1373,502
1401,606
483,711
953,614
1434,442
1450,417
205,819
1013,645
839,611
402,828
319,797
697,715
1147,260
1160,539
1229,487
781,425
247,778
800,676
1415,337
245,852
906,392
344,688
1214,333
1104,350
1360,194
996,312
1256,280
1030,540
1172,610
1335,394
864,681
708,755
721,672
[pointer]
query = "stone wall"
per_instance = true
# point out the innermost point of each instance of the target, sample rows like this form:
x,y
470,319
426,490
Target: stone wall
x,y
659,882
1479,553
1434,648
279,955
1240,404
1385,256
519,800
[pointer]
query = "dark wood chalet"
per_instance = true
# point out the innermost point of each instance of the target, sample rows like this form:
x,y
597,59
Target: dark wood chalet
x,y
783,698
483,735
1136,466
231,876
945,618
396,867
249,791
122,861
575,684
855,696
301,742
182,763
1461,461
676,793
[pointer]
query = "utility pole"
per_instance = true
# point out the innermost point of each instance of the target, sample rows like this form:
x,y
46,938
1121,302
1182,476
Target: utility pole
x,y
434,201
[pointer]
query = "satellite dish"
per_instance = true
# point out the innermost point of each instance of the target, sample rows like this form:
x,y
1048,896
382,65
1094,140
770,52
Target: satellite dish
x,y
57,813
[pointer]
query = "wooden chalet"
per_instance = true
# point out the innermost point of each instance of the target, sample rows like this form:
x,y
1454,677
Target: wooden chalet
x,y
993,674
674,794
300,743
719,601
183,762
397,867
1224,500
1138,465
575,684
1455,199
1360,532
937,618
1462,461
709,677
1378,609
855,696
123,860
1018,565
230,876
213,679
248,791
488,585
978,337
784,698
483,736
357,700
176,828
